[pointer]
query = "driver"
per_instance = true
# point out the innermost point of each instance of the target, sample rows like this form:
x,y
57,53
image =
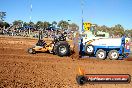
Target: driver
x,y
41,43
57,36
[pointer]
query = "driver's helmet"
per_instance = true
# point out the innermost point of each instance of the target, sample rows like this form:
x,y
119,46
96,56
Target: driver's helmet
x,y
65,34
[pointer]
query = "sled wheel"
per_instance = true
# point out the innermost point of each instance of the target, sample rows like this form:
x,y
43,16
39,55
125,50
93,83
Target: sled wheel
x,y
113,55
101,54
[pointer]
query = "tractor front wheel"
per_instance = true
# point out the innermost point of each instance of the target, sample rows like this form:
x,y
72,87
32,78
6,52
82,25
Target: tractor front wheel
x,y
31,51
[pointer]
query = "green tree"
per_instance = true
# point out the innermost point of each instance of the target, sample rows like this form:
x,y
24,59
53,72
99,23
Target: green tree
x,y
63,24
54,23
73,27
2,16
104,28
128,33
25,24
118,29
39,25
4,24
31,24
46,24
18,23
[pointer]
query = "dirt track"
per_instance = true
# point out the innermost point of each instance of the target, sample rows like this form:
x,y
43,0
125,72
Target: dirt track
x,y
43,70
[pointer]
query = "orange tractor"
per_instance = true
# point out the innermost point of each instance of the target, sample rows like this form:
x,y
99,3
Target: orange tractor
x,y
58,46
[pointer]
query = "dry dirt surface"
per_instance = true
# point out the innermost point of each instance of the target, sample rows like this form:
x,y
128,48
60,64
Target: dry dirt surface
x,y
18,69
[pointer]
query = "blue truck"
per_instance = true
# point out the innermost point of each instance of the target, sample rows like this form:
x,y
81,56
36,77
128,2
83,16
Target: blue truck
x,y
101,46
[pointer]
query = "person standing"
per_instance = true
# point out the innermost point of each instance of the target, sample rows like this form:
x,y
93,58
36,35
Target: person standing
x,y
76,54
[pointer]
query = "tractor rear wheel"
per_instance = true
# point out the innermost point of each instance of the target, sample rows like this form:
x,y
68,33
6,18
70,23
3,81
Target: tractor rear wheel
x,y
62,48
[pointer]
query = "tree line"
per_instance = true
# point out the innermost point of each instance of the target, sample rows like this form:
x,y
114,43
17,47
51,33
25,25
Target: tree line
x,y
40,25
115,30
64,25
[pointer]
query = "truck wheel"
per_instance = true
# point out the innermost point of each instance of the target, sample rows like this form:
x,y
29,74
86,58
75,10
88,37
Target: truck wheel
x,y
62,49
31,51
113,55
101,54
89,49
81,80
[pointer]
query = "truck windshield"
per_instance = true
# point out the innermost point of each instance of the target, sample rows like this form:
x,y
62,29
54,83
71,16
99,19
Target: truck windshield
x,y
100,35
